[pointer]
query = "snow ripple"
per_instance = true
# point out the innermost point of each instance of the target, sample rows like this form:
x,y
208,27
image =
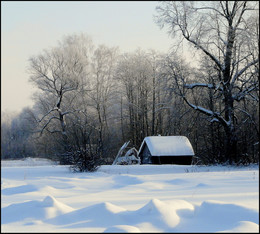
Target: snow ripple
x,y
34,210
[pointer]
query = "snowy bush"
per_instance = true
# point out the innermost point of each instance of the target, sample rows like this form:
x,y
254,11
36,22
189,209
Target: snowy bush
x,y
83,160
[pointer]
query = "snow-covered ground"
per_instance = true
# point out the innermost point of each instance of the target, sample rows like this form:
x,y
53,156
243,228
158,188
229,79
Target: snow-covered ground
x,y
39,196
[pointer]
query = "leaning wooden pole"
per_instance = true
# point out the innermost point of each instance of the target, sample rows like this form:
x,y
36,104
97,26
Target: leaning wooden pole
x,y
120,152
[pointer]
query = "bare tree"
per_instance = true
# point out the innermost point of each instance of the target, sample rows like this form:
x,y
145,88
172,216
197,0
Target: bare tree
x,y
136,72
60,73
16,135
103,63
222,31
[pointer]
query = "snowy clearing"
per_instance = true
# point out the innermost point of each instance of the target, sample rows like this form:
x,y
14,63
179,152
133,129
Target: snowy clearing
x,y
39,196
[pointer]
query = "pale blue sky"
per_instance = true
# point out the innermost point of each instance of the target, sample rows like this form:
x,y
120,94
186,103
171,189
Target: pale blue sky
x,y
28,27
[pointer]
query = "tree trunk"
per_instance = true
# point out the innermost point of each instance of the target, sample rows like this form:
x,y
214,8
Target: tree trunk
x,y
153,105
231,139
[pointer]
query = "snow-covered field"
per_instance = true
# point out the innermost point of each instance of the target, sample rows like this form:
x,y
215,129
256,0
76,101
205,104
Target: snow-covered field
x,y
38,196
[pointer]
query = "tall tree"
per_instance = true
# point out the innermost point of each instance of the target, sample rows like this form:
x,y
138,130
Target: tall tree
x,y
60,73
103,63
222,31
136,71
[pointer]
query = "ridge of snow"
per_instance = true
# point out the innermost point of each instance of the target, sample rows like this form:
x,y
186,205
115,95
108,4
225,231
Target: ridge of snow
x,y
31,210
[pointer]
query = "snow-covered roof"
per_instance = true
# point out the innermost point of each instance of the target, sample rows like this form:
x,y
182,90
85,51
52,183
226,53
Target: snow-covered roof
x,y
168,145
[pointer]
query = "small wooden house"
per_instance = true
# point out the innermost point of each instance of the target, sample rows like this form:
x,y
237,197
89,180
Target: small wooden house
x,y
166,150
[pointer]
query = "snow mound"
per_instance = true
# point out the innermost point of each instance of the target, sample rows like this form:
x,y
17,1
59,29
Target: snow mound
x,y
244,226
122,228
32,210
234,213
215,216
108,207
153,207
160,212
99,214
50,201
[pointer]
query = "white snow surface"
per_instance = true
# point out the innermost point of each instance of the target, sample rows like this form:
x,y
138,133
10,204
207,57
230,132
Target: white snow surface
x,y
132,198
168,145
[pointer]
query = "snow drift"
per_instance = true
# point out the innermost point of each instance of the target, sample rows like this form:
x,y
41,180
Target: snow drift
x,y
32,210
141,198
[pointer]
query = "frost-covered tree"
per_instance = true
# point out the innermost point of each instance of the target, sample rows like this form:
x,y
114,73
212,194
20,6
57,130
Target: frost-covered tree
x,y
135,74
102,89
226,32
60,74
17,135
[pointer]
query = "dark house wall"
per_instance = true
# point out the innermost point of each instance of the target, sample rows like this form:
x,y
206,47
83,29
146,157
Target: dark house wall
x,y
181,160
147,158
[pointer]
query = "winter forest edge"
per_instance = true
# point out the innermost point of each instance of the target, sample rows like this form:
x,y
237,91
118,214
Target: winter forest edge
x,y
91,99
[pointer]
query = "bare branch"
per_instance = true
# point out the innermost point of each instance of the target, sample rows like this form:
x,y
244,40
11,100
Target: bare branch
x,y
213,58
210,86
45,125
47,114
239,73
212,114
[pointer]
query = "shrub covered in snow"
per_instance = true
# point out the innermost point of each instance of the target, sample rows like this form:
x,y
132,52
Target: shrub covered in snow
x,y
83,160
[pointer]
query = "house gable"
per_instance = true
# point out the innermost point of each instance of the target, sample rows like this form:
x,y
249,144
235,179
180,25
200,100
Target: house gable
x,y
145,154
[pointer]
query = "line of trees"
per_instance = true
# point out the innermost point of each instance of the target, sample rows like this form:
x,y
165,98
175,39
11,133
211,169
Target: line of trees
x,y
91,99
